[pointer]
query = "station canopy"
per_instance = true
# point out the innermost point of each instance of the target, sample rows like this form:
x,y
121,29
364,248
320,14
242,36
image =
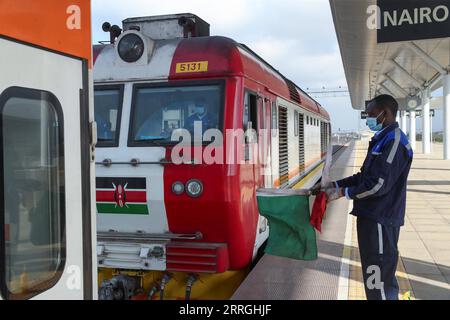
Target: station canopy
x,y
406,52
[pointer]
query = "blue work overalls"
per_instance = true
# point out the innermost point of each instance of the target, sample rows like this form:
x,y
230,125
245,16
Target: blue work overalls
x,y
379,194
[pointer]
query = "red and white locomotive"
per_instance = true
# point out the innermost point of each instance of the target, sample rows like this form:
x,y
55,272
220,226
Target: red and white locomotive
x,y
157,219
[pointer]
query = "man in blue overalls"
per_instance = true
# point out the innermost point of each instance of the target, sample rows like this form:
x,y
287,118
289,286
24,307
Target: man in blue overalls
x,y
379,195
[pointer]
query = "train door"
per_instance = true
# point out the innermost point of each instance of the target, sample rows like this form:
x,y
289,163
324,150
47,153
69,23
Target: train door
x,y
45,215
255,118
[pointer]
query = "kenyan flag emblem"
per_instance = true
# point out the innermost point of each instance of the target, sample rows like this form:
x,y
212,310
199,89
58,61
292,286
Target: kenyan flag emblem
x,y
121,195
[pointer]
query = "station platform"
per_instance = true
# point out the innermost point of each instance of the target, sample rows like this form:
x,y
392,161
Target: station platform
x,y
424,264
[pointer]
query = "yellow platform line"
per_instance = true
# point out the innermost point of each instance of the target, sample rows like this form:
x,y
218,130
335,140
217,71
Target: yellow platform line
x,y
302,182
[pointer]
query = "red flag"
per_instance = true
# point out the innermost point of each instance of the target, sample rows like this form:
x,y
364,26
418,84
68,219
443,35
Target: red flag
x,y
318,211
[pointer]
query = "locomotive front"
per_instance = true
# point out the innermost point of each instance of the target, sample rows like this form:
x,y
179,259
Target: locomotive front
x,y
168,218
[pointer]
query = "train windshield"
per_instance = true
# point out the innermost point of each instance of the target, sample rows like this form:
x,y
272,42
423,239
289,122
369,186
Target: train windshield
x,y
107,106
158,111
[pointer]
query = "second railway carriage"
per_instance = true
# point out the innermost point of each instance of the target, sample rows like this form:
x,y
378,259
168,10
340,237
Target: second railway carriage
x,y
196,222
47,216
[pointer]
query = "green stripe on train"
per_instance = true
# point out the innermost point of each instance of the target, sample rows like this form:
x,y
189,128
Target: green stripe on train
x,y
110,208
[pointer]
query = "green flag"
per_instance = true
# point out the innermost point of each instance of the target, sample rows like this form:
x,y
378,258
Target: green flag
x,y
291,234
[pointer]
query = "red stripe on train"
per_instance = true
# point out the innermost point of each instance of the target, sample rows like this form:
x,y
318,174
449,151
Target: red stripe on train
x,y
131,196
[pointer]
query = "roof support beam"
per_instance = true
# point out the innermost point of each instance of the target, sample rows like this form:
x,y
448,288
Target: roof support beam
x,y
382,86
425,57
436,82
406,73
397,86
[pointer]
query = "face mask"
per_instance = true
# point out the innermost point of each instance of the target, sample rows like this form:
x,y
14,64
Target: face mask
x,y
200,110
373,124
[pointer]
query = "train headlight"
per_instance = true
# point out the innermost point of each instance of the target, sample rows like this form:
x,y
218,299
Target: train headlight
x,y
194,188
131,47
178,188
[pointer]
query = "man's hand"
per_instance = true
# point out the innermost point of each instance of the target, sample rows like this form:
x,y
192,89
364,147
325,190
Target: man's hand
x,y
318,187
334,193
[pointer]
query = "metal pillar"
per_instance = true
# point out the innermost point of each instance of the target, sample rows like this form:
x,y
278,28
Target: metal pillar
x,y
412,129
447,117
426,98
431,131
403,121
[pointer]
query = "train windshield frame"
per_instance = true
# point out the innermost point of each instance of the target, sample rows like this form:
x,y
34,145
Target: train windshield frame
x,y
159,109
108,103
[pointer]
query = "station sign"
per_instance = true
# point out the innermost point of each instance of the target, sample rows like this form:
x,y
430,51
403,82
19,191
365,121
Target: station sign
x,y
408,20
364,115
419,113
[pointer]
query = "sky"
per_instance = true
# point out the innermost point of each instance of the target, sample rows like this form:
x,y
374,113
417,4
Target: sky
x,y
297,37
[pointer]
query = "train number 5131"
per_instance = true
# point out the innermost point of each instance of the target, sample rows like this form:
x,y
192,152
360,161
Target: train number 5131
x,y
197,66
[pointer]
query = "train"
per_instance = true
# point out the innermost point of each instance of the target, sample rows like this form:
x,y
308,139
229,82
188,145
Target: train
x,y
130,169
189,127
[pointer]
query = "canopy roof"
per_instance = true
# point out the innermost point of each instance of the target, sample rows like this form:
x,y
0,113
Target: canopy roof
x,y
398,68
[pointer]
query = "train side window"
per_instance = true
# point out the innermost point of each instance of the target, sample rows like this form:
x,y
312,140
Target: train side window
x,y
296,123
274,119
246,116
274,116
108,108
32,236
262,116
250,120
250,112
307,120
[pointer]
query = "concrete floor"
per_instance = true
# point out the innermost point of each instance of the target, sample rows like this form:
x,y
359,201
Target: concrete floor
x,y
425,239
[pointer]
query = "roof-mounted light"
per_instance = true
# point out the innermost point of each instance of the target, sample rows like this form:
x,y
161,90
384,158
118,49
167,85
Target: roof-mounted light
x,y
134,47
131,47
